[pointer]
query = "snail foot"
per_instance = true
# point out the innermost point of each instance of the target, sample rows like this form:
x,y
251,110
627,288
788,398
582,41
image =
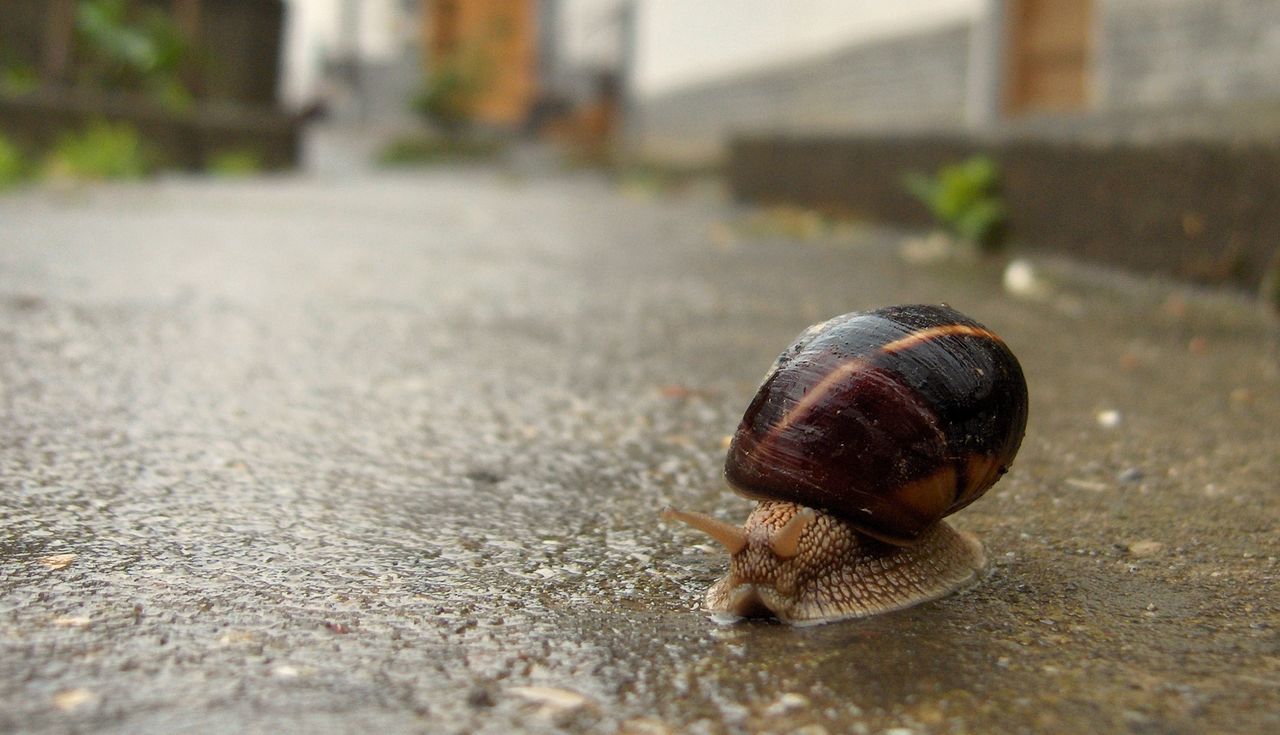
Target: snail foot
x,y
847,575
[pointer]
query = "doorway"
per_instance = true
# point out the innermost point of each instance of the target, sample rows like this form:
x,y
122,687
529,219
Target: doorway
x,y
1050,56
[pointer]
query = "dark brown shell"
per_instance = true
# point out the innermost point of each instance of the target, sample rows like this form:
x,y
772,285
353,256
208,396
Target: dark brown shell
x,y
890,419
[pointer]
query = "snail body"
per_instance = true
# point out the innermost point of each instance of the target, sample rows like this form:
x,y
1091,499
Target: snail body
x,y
867,431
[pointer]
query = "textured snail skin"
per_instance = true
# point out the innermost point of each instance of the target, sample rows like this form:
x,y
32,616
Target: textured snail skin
x,y
868,430
838,572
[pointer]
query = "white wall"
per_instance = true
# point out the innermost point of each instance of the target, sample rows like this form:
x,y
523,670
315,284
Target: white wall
x,y
317,30
681,42
588,33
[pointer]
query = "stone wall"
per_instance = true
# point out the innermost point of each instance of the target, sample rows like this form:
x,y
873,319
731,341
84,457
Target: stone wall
x,y
912,82
1163,69
1180,53
38,120
1202,211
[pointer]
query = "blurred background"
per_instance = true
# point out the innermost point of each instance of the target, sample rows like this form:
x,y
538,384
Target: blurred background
x,y
1135,132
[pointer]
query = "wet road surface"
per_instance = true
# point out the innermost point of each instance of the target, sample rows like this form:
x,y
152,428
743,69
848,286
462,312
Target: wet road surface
x,y
330,455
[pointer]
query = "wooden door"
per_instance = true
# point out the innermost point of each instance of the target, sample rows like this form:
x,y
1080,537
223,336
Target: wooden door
x,y
1050,44
495,44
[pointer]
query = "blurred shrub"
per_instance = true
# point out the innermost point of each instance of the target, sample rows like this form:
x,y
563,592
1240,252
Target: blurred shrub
x,y
238,163
1270,290
451,89
964,198
101,151
122,51
18,79
15,76
13,166
432,149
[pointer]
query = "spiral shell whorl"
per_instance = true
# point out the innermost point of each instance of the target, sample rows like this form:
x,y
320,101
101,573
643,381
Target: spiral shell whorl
x,y
890,419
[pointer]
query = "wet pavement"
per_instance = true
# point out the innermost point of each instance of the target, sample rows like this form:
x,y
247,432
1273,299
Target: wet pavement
x,y
330,455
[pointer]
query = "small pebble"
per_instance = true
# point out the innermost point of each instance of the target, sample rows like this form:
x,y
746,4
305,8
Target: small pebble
x,y
1109,419
787,703
1145,548
644,726
1175,306
1021,280
553,701
927,250
722,235
237,638
1132,474
479,697
57,561
69,699
1086,484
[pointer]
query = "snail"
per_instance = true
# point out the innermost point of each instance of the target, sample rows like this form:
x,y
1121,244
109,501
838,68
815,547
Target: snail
x,y
866,432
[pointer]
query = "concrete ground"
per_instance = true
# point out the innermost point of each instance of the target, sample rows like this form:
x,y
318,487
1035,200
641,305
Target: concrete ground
x,y
385,453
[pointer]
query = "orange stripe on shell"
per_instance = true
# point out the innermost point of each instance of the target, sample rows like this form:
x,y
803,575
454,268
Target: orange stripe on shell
x,y
852,366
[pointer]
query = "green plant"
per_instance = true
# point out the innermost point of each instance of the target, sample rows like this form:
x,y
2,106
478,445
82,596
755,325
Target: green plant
x,y
964,198
1269,293
15,76
444,99
18,78
428,149
13,166
235,163
126,51
451,89
101,151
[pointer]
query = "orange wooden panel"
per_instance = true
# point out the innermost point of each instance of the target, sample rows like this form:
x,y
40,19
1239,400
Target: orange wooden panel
x,y
499,37
1049,55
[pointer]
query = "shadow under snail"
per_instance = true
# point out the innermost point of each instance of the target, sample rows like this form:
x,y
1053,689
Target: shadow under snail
x,y
866,432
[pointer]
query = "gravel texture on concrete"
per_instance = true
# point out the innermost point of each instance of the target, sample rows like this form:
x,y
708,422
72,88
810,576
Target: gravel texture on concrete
x,y
386,452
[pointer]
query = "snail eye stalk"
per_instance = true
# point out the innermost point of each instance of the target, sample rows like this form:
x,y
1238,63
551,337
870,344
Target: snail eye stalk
x,y
732,537
786,541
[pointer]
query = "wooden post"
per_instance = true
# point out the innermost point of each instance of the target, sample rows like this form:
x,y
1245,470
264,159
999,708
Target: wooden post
x,y
186,15
59,39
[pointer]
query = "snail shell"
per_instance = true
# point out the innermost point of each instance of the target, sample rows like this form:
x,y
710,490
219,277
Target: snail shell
x,y
866,432
890,419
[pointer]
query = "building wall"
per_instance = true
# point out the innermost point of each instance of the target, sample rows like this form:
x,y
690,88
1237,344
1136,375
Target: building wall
x,y
680,43
588,33
704,73
1183,53
915,81
319,33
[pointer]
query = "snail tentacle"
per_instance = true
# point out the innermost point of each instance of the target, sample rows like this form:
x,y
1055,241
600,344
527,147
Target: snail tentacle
x,y
732,537
785,542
